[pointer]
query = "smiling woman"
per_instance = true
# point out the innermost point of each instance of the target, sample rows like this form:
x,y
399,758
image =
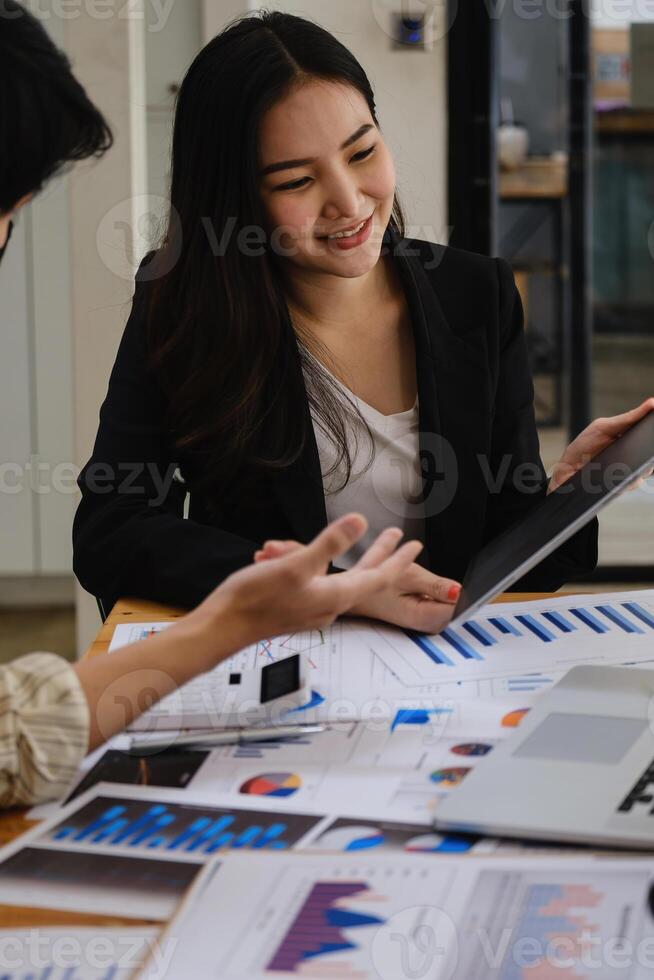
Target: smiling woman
x,y
338,361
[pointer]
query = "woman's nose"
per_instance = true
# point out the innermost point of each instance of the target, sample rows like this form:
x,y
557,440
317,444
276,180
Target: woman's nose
x,y
342,198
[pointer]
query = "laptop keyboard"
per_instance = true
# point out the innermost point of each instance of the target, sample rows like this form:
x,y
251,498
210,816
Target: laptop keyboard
x,y
641,792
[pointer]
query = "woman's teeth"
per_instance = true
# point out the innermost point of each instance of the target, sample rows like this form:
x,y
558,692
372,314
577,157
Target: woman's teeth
x,y
348,234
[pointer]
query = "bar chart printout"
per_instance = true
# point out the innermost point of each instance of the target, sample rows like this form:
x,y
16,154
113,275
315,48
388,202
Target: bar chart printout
x,y
525,642
559,924
146,825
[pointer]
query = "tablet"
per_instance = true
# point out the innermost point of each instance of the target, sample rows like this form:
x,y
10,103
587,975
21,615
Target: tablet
x,y
563,512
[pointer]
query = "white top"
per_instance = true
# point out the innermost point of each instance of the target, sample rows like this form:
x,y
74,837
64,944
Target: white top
x,y
388,492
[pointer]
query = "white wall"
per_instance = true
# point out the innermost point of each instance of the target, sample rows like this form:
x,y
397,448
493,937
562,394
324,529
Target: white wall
x,y
621,13
411,92
35,389
105,200
216,14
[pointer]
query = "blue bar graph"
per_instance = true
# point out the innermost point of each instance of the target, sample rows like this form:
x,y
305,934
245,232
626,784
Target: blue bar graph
x,y
247,837
533,682
186,836
215,828
557,619
225,840
158,824
536,628
107,817
479,633
640,613
148,817
460,645
588,619
180,827
112,828
429,647
270,836
616,617
504,626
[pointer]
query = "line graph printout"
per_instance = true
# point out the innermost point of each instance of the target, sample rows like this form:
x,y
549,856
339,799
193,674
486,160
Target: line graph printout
x,y
345,677
518,640
377,917
348,679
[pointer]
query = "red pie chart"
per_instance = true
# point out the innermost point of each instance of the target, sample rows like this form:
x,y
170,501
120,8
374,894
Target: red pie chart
x,y
272,784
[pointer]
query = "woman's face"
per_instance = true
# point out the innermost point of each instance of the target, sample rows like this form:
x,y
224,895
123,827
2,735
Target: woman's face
x,y
324,185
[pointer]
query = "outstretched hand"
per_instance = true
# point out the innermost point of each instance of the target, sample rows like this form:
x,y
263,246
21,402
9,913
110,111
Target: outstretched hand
x,y
416,599
293,591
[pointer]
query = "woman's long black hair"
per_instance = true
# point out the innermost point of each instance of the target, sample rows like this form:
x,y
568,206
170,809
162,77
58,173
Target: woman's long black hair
x,y
220,336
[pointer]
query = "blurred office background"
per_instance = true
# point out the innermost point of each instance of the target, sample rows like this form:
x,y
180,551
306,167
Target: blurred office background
x,y
516,132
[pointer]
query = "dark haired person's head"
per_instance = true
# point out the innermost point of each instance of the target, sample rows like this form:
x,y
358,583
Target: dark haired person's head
x,y
46,118
276,147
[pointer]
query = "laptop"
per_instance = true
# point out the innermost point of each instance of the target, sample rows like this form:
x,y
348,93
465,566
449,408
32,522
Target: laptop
x,y
578,769
563,512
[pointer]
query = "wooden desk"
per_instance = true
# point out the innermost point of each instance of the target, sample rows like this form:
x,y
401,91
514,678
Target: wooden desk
x,y
13,823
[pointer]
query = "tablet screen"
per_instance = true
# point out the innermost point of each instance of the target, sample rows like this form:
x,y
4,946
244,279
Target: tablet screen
x,y
556,518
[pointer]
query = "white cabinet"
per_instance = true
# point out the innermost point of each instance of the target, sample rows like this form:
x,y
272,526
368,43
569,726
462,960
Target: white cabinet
x,y
37,487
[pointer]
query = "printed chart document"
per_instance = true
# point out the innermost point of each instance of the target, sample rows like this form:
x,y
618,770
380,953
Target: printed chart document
x,y
76,953
399,769
518,640
359,917
506,649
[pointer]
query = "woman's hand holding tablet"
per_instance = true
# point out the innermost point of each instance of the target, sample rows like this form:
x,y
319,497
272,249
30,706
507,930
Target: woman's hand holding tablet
x,y
596,437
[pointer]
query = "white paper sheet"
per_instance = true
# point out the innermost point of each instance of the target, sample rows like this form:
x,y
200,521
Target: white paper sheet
x,y
349,681
520,640
75,953
401,916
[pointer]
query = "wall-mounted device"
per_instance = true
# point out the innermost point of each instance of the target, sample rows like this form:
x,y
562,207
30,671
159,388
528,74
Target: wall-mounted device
x,y
409,30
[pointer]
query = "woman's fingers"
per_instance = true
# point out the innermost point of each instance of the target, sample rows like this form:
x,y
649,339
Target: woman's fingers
x,y
277,549
383,546
422,582
358,584
617,425
337,538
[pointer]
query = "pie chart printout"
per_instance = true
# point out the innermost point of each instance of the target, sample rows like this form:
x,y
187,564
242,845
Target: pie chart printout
x,y
272,784
450,777
513,718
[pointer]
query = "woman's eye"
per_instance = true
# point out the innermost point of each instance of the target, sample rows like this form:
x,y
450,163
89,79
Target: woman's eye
x,y
364,154
293,185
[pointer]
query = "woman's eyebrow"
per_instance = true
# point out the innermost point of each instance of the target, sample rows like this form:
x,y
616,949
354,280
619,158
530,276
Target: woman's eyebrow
x,y
290,164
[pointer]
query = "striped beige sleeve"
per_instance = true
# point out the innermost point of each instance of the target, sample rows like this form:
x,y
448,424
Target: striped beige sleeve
x,y
44,729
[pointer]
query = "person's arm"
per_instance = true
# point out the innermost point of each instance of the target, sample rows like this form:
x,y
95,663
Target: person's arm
x,y
52,713
293,593
515,452
129,534
44,727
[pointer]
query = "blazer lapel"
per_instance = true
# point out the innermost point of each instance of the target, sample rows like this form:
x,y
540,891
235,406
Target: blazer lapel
x,y
452,381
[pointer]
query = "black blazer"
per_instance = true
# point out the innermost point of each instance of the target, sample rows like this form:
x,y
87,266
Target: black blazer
x,y
476,428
